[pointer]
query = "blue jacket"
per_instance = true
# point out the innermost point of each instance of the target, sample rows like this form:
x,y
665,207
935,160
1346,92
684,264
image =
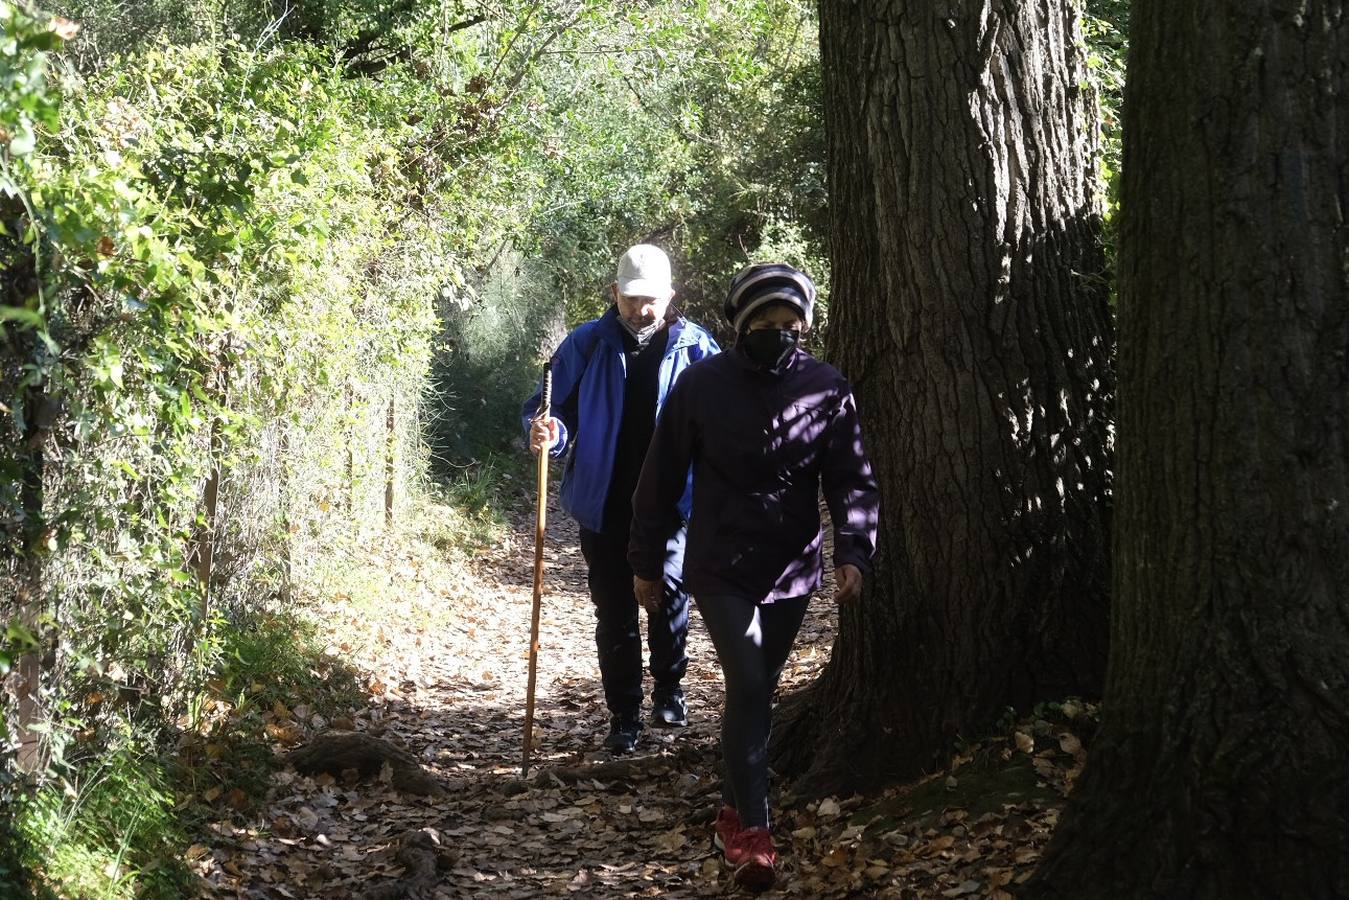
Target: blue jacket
x,y
589,374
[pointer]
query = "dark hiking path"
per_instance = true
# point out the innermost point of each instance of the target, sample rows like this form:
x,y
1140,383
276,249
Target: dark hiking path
x,y
447,683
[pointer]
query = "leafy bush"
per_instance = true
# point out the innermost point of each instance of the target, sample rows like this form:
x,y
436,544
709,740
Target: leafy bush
x,y
215,301
108,825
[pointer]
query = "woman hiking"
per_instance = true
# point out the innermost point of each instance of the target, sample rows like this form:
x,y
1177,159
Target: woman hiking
x,y
765,428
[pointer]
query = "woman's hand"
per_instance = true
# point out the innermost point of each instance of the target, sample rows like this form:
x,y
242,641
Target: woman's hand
x,y
649,593
544,433
847,583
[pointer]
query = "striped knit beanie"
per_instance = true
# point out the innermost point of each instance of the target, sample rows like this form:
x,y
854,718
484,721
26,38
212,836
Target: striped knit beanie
x,y
762,284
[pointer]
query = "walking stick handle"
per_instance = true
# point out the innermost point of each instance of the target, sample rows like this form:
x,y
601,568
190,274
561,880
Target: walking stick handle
x,y
546,398
540,523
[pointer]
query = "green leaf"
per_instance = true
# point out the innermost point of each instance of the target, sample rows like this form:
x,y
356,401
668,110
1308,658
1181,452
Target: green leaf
x,y
23,141
19,638
30,317
44,40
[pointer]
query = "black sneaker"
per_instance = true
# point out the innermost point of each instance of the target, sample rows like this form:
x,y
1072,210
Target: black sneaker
x,y
668,708
623,732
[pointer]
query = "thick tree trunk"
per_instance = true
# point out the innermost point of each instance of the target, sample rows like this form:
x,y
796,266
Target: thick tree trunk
x,y
969,307
1221,768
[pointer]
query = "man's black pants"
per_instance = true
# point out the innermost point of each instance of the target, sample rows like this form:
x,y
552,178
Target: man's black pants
x,y
618,636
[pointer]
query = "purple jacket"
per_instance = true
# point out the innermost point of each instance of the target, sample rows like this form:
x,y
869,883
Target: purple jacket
x,y
762,443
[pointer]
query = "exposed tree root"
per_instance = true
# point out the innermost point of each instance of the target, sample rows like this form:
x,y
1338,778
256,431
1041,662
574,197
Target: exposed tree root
x,y
336,752
628,768
422,855
796,727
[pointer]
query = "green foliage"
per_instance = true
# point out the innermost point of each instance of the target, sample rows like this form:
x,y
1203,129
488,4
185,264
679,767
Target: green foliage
x,y
702,132
268,662
694,126
17,855
1105,25
26,104
108,825
275,658
486,362
469,504
211,265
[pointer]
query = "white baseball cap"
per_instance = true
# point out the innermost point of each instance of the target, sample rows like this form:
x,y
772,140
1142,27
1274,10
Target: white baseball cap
x,y
644,271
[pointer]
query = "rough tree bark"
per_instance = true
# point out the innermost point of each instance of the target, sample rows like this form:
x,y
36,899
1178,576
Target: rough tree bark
x,y
1221,768
970,309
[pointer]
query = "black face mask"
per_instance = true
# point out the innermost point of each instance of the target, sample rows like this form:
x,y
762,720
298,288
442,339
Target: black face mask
x,y
769,347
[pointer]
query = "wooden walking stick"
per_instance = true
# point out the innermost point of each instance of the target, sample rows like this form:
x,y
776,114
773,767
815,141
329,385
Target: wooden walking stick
x,y
540,520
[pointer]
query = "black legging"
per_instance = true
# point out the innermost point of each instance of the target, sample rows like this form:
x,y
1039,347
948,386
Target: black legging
x,y
753,641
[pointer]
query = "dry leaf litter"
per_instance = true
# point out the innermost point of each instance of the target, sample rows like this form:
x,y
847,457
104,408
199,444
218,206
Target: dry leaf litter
x,y
446,678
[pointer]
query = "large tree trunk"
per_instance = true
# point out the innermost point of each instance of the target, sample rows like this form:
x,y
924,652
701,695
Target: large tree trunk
x,y
969,307
1222,766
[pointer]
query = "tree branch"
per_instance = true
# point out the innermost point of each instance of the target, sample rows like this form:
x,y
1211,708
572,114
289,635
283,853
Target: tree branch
x,y
366,42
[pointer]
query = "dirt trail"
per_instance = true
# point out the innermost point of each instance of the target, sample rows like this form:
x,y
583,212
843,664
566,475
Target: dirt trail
x,y
454,697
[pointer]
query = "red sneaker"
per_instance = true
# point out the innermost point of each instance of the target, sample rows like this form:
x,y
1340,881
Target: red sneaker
x,y
725,829
752,848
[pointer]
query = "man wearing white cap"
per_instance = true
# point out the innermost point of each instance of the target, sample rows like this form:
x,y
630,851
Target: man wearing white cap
x,y
611,376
